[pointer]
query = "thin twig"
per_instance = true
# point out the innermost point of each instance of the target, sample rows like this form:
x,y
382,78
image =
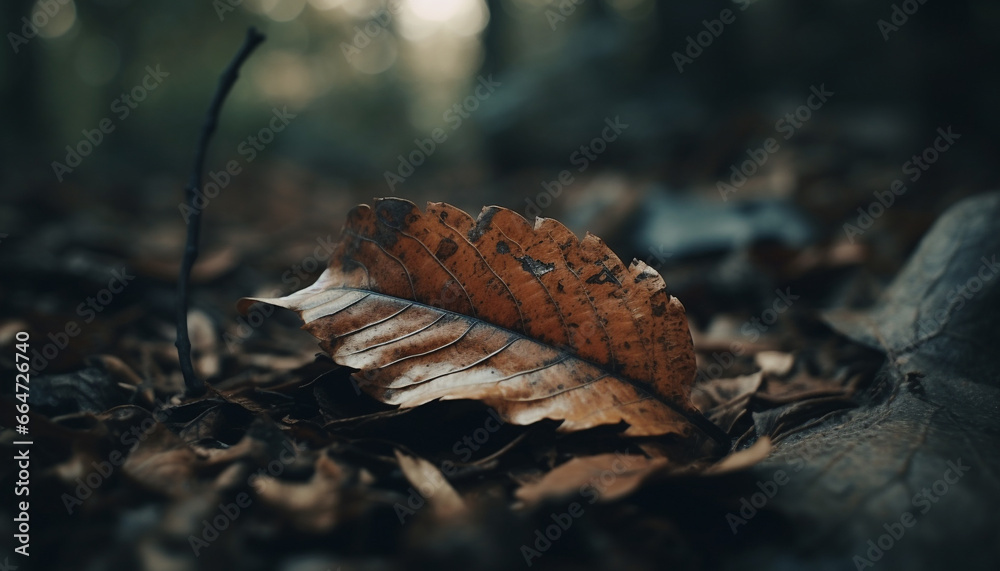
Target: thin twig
x,y
195,386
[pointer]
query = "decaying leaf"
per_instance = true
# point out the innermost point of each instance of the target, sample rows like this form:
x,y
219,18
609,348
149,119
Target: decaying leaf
x,y
312,505
605,476
432,485
527,318
742,459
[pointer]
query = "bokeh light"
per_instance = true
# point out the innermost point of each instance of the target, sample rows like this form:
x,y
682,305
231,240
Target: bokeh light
x,y
53,19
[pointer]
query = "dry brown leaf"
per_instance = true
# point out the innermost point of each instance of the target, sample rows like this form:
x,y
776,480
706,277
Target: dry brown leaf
x,y
527,318
725,401
605,477
313,505
162,462
714,394
742,459
431,484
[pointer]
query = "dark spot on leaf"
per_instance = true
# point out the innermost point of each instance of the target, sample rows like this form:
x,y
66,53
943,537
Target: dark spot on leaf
x,y
534,266
394,213
482,224
348,265
502,247
446,249
604,277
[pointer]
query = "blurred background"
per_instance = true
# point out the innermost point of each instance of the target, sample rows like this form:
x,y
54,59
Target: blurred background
x,y
366,78
478,102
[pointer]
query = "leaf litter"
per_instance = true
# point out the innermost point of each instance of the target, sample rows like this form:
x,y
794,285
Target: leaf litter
x,y
325,467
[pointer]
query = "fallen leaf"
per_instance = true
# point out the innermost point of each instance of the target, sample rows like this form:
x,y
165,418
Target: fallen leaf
x,y
725,401
432,485
604,476
742,459
87,390
312,505
528,319
162,462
